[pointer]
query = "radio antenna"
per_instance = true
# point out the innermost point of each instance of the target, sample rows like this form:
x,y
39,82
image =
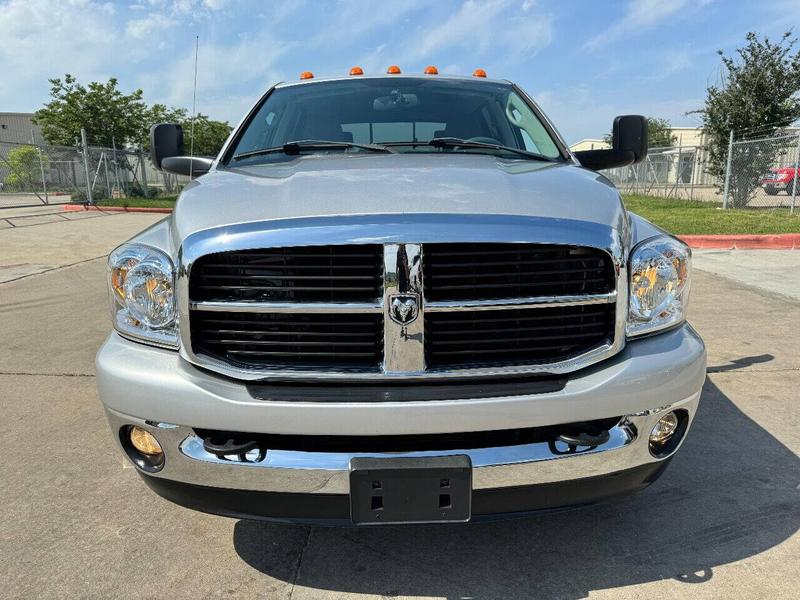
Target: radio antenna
x,y
194,103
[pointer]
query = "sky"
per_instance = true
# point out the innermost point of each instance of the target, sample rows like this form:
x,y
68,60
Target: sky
x,y
583,61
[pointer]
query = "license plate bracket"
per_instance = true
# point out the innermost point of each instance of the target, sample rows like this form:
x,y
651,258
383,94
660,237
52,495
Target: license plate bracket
x,y
431,489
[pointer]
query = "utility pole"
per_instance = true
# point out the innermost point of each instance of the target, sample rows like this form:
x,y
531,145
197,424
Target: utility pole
x,y
728,173
194,105
86,166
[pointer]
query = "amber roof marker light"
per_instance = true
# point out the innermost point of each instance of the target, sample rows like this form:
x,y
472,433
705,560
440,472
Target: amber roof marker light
x,y
479,73
356,71
431,70
393,70
306,75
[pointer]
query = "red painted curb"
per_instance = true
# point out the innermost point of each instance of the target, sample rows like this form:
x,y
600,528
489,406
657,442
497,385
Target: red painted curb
x,y
782,241
135,209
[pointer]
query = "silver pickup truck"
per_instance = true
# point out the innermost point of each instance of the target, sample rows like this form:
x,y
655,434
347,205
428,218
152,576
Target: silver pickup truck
x,y
399,299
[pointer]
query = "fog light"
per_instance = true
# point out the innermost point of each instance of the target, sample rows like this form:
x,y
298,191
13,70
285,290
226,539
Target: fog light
x,y
145,442
664,429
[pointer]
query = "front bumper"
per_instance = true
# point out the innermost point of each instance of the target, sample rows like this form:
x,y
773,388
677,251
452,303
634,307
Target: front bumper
x,y
158,391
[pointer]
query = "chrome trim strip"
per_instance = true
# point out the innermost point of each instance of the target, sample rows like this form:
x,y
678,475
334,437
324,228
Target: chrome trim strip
x,y
510,303
557,368
620,436
403,344
288,307
328,473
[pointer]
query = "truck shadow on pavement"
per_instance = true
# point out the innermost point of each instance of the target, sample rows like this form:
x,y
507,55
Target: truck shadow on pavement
x,y
730,493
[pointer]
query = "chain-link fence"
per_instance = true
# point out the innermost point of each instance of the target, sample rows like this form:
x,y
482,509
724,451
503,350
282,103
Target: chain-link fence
x,y
33,175
669,172
762,173
759,173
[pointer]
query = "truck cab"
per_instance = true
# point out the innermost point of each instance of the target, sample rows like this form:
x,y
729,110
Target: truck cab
x,y
399,299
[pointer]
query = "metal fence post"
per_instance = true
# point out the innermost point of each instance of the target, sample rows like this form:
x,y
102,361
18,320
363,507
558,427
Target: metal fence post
x,y
145,191
86,166
41,167
796,174
728,173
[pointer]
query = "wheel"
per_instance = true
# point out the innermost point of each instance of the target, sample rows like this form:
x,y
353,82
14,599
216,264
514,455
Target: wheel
x,y
771,191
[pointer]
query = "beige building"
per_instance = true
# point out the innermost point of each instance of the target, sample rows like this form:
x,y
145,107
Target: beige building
x,y
18,128
684,136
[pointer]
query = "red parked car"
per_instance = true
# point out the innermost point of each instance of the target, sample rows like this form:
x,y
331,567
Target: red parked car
x,y
780,179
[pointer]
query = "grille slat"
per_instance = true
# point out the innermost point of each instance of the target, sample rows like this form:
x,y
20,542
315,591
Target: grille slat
x,y
351,273
470,271
464,339
253,340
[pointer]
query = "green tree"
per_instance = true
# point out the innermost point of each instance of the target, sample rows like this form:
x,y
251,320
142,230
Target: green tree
x,y
25,168
757,96
659,133
100,108
109,116
209,134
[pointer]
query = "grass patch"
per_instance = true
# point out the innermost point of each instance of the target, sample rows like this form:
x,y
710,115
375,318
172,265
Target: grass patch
x,y
694,217
164,202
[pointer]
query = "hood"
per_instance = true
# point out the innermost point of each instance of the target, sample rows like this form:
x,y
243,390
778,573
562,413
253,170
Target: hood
x,y
403,184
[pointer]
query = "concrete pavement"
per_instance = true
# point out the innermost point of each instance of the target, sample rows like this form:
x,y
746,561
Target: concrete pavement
x,y
772,271
38,241
77,521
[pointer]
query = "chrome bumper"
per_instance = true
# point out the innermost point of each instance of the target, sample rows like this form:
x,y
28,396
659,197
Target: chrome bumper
x,y
328,473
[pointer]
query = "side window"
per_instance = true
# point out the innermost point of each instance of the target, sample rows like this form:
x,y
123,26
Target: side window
x,y
391,132
427,131
260,133
359,131
529,145
533,133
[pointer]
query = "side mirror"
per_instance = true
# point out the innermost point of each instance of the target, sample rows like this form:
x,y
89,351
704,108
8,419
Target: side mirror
x,y
166,152
628,145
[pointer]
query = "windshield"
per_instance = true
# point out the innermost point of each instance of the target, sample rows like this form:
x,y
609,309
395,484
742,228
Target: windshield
x,y
395,112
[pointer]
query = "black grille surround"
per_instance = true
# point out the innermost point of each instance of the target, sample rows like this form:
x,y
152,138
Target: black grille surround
x,y
493,271
304,274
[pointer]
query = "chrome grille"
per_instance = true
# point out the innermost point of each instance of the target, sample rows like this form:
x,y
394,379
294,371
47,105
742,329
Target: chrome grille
x,y
404,311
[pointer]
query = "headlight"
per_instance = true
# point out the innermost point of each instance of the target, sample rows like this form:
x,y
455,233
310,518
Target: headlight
x,y
659,285
141,283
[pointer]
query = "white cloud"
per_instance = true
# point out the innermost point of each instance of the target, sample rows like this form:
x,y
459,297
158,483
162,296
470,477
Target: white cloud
x,y
146,27
479,26
251,59
644,15
356,18
42,39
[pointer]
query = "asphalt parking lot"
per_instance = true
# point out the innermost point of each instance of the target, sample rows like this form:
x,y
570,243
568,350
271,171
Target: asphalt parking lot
x,y
77,521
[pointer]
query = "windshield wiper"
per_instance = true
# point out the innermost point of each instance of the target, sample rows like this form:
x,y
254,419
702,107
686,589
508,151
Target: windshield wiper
x,y
295,147
453,142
